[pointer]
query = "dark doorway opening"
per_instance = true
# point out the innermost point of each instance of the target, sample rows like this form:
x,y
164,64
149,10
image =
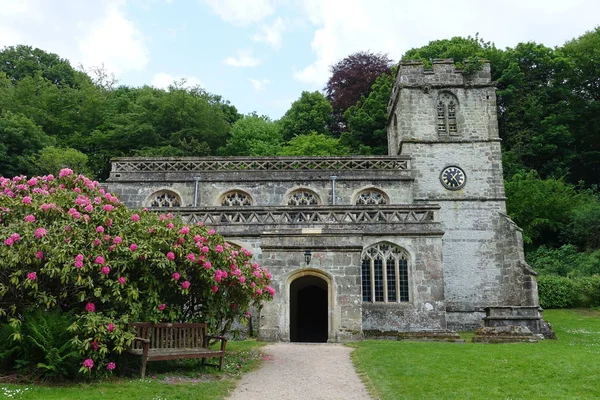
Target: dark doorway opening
x,y
308,310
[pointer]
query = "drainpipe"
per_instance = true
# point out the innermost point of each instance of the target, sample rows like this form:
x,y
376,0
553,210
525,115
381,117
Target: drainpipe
x,y
197,179
333,196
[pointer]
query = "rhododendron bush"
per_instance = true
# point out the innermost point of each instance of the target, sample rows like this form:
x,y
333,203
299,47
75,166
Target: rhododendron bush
x,y
65,243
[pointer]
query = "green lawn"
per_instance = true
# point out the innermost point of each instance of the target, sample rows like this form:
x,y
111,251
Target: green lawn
x,y
164,381
568,368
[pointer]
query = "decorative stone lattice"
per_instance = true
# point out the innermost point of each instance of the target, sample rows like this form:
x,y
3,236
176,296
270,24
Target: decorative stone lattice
x,y
371,197
258,164
236,198
165,198
302,198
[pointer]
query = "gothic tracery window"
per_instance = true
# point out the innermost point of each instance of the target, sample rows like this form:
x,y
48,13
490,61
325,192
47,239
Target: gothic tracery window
x,y
236,198
302,197
165,198
384,274
447,109
371,197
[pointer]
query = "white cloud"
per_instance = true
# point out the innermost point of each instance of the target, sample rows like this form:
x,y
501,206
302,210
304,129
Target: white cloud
x,y
344,27
91,33
241,12
116,42
271,34
259,84
244,59
163,80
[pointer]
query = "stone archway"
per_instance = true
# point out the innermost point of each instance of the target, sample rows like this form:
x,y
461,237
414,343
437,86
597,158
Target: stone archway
x,y
309,309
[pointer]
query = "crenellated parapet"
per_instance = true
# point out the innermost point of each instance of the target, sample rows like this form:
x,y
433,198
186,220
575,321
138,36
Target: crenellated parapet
x,y
443,74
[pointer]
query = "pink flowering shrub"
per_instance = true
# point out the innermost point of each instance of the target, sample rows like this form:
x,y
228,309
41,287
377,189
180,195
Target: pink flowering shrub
x,y
84,252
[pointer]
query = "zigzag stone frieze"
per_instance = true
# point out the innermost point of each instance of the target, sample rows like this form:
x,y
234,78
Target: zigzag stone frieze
x,y
291,216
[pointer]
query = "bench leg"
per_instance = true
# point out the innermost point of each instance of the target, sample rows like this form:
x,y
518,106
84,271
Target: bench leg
x,y
144,360
221,360
203,361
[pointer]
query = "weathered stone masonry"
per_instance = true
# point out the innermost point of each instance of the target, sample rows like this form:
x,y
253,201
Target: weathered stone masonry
x,y
389,247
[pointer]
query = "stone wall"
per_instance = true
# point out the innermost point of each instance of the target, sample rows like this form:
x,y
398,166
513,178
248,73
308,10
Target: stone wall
x,y
483,250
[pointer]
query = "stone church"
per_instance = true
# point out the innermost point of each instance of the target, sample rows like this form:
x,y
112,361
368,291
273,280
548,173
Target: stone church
x,y
417,241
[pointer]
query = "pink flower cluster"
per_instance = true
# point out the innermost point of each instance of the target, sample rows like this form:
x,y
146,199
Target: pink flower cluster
x,y
88,363
40,233
12,239
79,261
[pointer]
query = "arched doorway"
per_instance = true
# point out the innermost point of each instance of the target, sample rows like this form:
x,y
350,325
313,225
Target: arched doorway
x,y
308,309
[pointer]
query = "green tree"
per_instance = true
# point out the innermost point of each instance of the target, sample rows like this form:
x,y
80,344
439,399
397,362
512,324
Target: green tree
x,y
541,207
582,78
533,118
20,139
367,120
22,61
310,113
314,144
50,160
253,135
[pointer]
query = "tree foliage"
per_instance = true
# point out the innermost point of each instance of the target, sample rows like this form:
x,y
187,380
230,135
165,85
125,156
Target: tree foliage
x,y
51,159
367,119
314,144
253,135
20,139
19,62
541,207
310,113
351,79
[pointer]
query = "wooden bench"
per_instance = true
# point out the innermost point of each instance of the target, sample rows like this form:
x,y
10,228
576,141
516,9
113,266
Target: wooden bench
x,y
171,341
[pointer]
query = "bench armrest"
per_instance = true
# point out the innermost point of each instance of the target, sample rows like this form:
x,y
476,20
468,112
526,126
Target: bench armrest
x,y
221,338
143,340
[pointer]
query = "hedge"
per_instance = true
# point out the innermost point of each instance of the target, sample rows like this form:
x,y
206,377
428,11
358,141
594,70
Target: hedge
x,y
563,292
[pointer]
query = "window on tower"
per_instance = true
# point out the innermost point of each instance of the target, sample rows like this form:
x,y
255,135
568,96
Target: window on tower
x,y
447,111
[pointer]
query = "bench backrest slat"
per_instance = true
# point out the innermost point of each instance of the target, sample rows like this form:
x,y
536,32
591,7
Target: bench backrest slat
x,y
170,335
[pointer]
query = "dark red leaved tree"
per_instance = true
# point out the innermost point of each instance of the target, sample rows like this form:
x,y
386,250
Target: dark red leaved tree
x,y
352,78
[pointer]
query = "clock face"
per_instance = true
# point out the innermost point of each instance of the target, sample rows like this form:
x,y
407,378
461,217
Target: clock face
x,y
453,178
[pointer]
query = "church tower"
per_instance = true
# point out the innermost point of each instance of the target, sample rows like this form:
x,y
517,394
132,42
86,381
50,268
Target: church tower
x,y
446,121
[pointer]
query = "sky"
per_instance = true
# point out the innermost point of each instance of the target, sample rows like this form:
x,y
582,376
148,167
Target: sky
x,y
261,54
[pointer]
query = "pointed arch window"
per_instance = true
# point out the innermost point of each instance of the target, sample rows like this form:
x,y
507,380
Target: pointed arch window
x,y
384,274
447,111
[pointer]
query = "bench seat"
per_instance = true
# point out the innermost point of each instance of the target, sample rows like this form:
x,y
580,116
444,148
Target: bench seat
x,y
172,341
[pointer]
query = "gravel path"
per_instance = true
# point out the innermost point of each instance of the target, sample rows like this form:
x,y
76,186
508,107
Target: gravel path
x,y
303,371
